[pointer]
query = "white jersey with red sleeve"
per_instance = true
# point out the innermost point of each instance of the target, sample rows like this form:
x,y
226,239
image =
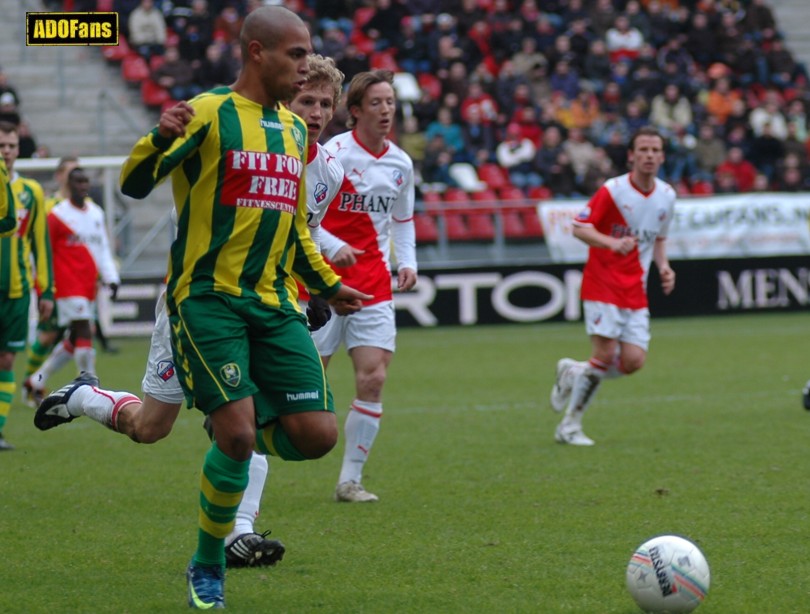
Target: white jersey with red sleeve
x,y
323,180
374,207
81,250
619,209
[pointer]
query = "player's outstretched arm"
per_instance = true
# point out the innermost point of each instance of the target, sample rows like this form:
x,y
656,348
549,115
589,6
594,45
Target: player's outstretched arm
x,y
347,300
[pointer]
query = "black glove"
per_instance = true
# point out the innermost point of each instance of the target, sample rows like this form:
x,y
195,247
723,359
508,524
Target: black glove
x,y
318,312
113,291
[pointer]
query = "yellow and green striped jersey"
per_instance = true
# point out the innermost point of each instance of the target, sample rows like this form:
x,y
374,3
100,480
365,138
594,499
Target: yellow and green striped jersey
x,y
51,201
8,218
16,274
238,185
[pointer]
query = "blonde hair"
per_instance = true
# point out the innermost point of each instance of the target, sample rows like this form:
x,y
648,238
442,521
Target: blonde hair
x,y
323,71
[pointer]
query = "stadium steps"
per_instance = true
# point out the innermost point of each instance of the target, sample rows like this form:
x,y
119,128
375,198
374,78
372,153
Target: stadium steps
x,y
77,104
73,101
791,19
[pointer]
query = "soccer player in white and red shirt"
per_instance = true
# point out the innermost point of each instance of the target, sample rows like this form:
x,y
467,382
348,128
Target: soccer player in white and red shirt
x,y
625,224
81,255
375,207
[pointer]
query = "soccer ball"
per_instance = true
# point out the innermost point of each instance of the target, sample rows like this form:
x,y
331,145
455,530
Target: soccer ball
x,y
668,575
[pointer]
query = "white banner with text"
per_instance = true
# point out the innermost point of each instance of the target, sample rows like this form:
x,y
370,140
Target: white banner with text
x,y
733,226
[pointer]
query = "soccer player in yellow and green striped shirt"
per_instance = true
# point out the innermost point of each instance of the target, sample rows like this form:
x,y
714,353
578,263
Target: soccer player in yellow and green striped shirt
x,y
236,158
17,279
8,219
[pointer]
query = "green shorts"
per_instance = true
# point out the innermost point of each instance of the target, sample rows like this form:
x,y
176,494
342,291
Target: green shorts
x,y
51,324
228,348
14,323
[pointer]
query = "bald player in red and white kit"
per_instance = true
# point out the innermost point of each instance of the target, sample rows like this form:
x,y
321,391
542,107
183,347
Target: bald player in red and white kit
x,y
375,207
625,224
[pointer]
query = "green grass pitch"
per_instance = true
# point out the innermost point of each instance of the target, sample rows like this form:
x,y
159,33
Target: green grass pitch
x,y
480,511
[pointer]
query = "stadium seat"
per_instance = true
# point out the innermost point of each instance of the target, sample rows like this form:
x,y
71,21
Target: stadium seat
x,y
407,87
116,53
532,228
156,61
362,15
480,226
702,187
512,225
431,84
134,69
172,38
510,192
431,197
426,229
455,227
153,95
105,6
383,60
455,195
540,192
485,196
464,174
493,175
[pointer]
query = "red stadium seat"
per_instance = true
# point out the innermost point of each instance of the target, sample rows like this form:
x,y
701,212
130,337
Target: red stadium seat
x,y
540,193
456,195
105,6
702,187
172,38
431,84
115,54
532,228
134,69
493,175
511,192
485,196
512,225
480,226
363,43
455,227
431,197
362,15
153,95
156,61
426,229
383,60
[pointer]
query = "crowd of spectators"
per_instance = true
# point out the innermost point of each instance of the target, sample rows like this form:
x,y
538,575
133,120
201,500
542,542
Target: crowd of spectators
x,y
548,90
11,111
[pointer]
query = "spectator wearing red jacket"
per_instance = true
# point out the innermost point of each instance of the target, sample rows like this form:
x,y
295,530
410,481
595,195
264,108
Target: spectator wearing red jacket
x,y
743,171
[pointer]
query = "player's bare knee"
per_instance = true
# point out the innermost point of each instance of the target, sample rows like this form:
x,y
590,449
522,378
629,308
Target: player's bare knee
x,y
371,382
320,444
632,365
151,433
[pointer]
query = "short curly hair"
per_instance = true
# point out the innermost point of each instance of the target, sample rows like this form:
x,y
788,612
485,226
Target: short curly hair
x,y
322,71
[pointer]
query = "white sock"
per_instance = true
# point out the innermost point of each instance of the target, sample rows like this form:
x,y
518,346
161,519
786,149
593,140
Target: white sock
x,y
362,425
85,359
61,355
100,405
248,509
586,382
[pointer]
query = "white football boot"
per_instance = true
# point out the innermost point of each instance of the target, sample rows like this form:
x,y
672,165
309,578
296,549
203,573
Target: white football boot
x,y
572,436
352,492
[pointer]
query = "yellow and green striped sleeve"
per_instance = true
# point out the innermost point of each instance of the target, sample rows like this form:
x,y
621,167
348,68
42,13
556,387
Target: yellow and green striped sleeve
x,y
8,215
